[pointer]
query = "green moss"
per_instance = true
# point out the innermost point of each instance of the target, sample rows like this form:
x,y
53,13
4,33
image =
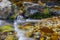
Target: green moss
x,y
6,28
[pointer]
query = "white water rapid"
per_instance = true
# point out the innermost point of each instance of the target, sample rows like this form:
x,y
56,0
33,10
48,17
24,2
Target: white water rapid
x,y
20,33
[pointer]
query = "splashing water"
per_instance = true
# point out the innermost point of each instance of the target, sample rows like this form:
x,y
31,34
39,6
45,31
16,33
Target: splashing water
x,y
20,33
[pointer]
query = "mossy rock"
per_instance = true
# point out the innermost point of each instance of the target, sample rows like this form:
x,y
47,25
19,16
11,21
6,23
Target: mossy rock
x,y
6,28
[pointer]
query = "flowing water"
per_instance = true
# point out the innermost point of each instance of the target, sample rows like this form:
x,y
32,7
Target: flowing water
x,y
20,33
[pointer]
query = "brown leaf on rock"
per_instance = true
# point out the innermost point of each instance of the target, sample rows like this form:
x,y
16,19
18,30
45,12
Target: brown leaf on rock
x,y
46,30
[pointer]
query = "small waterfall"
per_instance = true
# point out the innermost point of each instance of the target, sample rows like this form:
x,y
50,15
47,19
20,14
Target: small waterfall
x,y
20,33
